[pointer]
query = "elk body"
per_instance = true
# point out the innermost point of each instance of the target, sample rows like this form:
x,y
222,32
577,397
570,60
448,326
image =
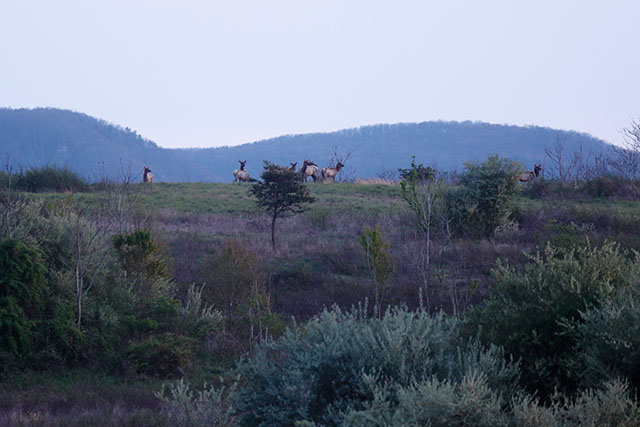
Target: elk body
x,y
241,175
529,176
330,173
147,176
308,169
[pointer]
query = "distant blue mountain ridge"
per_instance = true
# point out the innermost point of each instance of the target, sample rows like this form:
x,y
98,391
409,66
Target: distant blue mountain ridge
x,y
91,147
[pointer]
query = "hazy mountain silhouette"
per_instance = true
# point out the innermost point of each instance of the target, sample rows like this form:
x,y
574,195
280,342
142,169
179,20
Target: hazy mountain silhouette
x,y
47,136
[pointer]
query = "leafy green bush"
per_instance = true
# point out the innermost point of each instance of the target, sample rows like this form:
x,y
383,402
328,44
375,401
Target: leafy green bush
x,y
236,284
22,296
526,312
608,339
145,268
36,321
164,356
484,200
319,371
49,178
233,276
418,172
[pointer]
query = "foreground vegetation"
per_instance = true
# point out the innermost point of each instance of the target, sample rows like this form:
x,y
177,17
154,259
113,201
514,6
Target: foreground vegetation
x,y
445,300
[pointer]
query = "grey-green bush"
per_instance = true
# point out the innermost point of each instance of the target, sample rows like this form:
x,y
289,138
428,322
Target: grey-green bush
x,y
187,407
471,402
320,371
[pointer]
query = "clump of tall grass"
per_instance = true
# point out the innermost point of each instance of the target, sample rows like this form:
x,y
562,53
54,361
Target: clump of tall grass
x,y
187,407
375,181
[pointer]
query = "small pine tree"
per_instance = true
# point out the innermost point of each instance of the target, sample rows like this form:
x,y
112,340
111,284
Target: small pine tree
x,y
280,193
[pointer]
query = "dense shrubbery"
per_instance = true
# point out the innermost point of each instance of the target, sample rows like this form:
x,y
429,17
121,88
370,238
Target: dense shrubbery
x,y
607,339
600,187
530,308
36,325
45,178
404,369
325,368
131,321
22,297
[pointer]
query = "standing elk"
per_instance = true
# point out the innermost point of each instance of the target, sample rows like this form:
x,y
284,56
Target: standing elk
x,y
330,173
308,169
529,176
241,175
147,176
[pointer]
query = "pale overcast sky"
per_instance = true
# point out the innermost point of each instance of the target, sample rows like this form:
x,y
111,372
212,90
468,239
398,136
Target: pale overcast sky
x,y
192,73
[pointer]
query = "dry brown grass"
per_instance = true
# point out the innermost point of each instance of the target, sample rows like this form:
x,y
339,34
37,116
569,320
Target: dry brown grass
x,y
376,181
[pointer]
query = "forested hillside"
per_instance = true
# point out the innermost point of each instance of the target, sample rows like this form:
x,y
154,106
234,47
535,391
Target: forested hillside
x,y
33,138
84,144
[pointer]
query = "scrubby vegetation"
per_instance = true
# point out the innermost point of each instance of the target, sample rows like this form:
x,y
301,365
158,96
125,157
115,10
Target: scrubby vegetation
x,y
45,178
452,299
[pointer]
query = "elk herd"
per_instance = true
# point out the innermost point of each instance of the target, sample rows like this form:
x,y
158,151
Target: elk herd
x,y
328,174
306,171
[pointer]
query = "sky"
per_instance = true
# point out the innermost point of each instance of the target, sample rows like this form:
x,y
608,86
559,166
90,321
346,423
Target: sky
x,y
196,73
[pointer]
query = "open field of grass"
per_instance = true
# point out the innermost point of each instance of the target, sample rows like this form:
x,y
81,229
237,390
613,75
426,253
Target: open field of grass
x,y
319,252
215,198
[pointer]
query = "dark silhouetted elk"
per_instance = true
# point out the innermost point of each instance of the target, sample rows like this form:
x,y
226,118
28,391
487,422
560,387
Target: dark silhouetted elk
x,y
330,173
291,168
529,176
308,169
241,175
147,176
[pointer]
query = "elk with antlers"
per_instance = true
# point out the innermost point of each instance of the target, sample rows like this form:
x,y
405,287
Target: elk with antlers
x,y
330,173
